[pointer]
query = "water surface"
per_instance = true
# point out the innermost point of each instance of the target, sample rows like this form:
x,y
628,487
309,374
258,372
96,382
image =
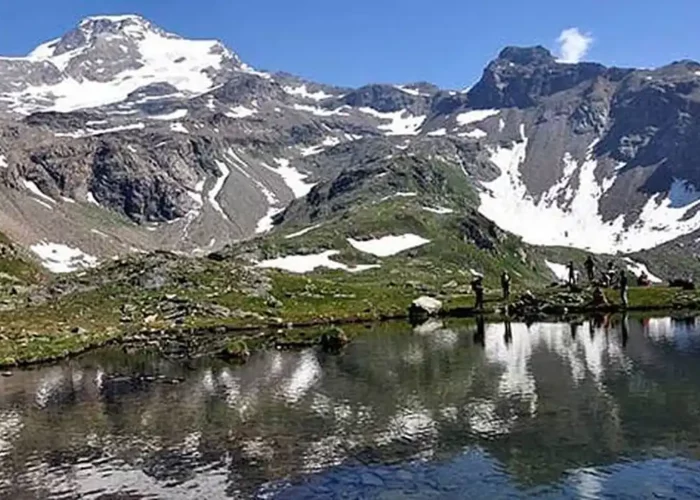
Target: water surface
x,y
461,410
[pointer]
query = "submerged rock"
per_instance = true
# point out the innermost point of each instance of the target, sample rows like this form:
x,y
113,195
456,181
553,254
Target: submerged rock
x,y
334,339
236,349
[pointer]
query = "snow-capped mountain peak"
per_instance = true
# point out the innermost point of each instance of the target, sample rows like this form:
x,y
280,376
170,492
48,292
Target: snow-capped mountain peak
x,y
106,58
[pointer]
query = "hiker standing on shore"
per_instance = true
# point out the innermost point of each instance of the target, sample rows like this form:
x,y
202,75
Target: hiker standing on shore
x,y
505,285
478,288
572,273
624,285
590,268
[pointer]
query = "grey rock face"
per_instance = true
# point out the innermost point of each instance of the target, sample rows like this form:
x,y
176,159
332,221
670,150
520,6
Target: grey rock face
x,y
195,166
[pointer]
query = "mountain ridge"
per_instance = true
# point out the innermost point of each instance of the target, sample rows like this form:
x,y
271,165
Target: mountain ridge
x,y
199,156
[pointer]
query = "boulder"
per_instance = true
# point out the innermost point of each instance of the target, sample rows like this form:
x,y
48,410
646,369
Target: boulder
x,y
334,340
424,307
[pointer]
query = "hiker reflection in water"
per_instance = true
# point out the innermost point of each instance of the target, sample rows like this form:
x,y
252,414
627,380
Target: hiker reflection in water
x,y
625,329
480,335
478,289
505,285
624,285
508,336
574,329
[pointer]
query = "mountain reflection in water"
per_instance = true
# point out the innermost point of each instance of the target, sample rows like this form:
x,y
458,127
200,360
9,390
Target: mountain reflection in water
x,y
439,411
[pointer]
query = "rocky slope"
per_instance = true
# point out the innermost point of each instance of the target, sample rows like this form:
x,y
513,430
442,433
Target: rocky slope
x,y
120,137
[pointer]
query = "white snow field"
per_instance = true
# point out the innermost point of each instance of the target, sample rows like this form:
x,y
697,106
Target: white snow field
x,y
578,222
295,180
315,110
307,263
3,161
637,268
302,232
179,127
401,122
59,258
216,189
559,270
178,114
326,143
477,133
95,132
31,186
439,210
302,91
438,133
388,245
475,116
164,57
240,112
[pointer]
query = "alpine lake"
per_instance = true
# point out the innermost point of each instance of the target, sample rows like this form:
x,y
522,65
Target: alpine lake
x,y
606,407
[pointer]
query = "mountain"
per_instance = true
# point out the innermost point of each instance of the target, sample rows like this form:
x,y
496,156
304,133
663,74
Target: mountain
x,y
119,137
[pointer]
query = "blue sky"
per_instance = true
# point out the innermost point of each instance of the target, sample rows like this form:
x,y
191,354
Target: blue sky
x,y
354,42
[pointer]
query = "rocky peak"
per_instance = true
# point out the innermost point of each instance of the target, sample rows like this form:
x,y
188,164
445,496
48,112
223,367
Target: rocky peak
x,y
386,98
537,55
521,76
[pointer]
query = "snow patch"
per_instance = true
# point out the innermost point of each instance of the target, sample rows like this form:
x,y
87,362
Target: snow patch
x,y
31,186
388,245
95,132
637,268
178,114
216,189
42,203
475,115
315,110
307,263
3,161
438,133
328,142
302,91
164,58
91,199
439,210
302,232
59,258
295,180
401,122
571,218
407,90
240,112
265,224
477,133
99,233
559,270
400,194
179,127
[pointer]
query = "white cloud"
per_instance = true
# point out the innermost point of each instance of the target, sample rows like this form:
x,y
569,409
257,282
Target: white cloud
x,y
573,45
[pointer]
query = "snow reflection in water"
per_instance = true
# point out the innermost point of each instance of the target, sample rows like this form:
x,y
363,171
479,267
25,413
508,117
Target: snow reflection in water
x,y
421,409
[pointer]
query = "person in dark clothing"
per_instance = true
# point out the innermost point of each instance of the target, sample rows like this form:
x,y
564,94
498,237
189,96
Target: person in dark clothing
x,y
590,268
624,285
572,273
505,285
643,280
478,288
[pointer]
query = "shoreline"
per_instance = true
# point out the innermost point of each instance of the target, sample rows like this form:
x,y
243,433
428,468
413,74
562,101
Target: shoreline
x,y
290,335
